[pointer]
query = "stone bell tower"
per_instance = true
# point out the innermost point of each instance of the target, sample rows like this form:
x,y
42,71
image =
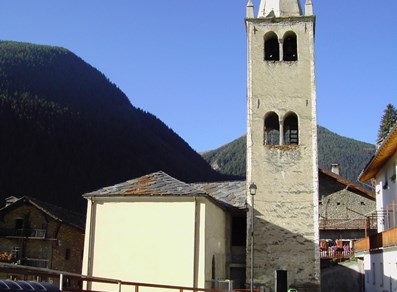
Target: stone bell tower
x,y
282,223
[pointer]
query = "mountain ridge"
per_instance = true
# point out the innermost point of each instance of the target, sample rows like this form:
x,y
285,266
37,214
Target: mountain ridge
x,y
66,129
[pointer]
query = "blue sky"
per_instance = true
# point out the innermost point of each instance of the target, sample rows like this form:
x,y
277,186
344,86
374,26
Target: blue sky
x,y
185,61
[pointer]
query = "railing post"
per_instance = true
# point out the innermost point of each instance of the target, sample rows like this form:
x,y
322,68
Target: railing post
x,y
136,288
119,284
60,281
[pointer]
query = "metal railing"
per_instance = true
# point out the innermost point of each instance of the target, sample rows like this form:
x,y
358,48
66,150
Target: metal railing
x,y
34,233
331,254
66,280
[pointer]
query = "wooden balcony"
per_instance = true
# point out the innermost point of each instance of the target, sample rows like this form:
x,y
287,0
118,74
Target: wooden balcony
x,y
387,238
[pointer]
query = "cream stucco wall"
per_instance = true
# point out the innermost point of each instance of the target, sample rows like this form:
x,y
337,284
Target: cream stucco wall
x,y
215,242
160,240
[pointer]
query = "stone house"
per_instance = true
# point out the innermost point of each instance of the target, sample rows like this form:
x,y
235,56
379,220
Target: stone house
x,y
39,234
378,252
346,213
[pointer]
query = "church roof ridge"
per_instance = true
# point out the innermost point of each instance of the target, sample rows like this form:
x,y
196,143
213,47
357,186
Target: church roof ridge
x,y
154,184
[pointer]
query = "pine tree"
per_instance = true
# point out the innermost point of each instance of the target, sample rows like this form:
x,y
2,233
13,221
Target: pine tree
x,y
388,121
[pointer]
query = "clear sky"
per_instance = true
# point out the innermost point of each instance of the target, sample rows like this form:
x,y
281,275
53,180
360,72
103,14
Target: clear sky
x,y
185,61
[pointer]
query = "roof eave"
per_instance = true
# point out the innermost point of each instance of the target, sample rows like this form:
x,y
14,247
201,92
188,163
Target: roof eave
x,y
382,155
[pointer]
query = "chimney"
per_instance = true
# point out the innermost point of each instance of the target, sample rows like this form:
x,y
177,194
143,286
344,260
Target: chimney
x,y
335,168
11,200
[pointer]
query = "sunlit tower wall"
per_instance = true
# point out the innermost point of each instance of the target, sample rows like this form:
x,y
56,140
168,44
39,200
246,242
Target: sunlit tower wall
x,y
282,145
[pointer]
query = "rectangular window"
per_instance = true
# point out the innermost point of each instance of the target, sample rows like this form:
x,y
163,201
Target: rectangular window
x,y
381,274
67,254
373,274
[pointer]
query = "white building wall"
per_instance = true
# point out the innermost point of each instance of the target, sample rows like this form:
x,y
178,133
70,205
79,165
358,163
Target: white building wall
x,y
386,195
381,270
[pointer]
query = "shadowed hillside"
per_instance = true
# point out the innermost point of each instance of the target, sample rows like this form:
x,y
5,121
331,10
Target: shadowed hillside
x,y
65,130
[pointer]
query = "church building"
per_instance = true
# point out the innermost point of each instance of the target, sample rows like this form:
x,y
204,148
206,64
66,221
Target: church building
x,y
262,232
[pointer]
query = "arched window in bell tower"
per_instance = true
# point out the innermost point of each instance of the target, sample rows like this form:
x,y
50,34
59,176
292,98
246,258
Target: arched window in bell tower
x,y
291,131
272,50
271,129
290,51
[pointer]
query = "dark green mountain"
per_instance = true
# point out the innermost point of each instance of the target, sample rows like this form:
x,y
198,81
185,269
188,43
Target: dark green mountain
x,y
65,130
352,155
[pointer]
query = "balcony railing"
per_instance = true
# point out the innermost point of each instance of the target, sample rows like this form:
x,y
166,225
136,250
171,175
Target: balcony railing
x,y
386,238
31,233
39,263
330,254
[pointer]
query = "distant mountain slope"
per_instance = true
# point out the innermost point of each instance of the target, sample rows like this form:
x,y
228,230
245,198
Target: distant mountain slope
x,y
65,129
352,155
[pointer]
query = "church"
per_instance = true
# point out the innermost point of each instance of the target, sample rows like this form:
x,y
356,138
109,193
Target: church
x,y
262,232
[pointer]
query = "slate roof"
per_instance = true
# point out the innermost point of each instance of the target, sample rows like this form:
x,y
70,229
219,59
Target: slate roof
x,y
229,193
226,194
154,184
348,183
56,212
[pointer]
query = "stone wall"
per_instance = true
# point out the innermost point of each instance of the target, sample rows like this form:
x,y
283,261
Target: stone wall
x,y
286,204
43,241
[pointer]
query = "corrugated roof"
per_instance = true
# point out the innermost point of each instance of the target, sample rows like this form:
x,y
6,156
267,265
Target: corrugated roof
x,y
382,155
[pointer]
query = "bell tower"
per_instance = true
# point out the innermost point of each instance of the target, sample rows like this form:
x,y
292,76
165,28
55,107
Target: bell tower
x,y
282,223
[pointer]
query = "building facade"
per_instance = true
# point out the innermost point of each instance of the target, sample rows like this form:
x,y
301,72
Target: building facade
x,y
378,252
282,146
38,234
346,214
157,229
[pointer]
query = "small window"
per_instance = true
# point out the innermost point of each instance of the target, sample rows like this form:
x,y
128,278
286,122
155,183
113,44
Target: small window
x,y
386,182
290,52
373,274
272,129
291,134
67,254
19,223
272,49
